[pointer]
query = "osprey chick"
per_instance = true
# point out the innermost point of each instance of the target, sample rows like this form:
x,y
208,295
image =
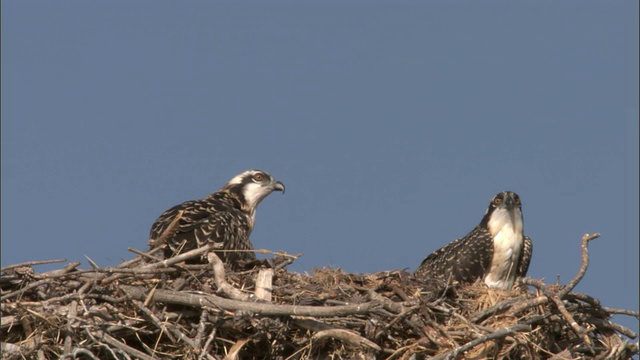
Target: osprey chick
x,y
224,218
496,251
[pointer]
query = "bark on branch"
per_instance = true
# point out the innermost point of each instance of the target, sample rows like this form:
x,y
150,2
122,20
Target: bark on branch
x,y
201,300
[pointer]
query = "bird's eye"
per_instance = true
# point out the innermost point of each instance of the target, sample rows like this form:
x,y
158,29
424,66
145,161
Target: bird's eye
x,y
517,200
497,201
258,177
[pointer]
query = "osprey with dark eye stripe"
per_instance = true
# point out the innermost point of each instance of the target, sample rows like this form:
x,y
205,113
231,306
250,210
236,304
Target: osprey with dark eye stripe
x,y
495,252
224,218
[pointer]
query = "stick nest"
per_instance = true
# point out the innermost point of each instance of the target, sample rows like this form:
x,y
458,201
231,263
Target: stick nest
x,y
148,308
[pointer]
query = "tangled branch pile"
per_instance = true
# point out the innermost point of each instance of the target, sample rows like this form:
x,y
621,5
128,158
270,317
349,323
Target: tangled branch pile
x,y
148,308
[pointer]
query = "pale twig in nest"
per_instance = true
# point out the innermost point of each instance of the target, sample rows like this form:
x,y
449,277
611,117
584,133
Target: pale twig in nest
x,y
223,286
32,263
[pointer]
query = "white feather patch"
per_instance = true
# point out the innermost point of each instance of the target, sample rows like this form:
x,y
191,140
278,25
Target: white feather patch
x,y
254,193
506,229
240,177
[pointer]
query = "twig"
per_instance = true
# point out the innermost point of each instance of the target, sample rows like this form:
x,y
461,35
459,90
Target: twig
x,y
498,334
174,329
308,323
126,348
92,263
536,301
401,316
584,298
399,291
54,273
601,323
119,266
138,258
154,319
32,263
210,338
441,331
572,322
388,304
168,262
80,351
499,307
66,269
635,314
145,254
463,319
565,290
204,314
346,336
583,268
182,257
73,312
301,349
402,349
282,264
139,271
277,253
563,310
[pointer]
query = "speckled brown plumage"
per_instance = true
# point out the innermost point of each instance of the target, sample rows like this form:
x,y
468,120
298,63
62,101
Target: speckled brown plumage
x,y
473,257
224,218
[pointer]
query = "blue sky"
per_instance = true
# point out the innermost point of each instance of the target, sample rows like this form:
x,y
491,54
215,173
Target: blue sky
x,y
391,124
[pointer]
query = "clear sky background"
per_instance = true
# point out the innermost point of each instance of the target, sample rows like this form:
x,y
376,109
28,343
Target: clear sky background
x,y
392,125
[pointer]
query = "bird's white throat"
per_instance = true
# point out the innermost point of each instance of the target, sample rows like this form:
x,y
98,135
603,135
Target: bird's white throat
x,y
254,193
506,229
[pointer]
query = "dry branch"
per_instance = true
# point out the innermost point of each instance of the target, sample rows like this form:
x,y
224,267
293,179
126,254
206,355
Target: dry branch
x,y
583,267
100,335
32,263
223,286
265,309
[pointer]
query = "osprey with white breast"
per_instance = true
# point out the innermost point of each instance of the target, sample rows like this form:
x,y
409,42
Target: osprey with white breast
x,y
495,252
224,218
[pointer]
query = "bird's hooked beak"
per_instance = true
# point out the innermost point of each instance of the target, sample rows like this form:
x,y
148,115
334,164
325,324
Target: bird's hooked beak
x,y
509,201
278,186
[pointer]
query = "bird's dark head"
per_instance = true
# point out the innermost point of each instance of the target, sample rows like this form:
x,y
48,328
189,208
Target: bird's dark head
x,y
505,208
251,187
